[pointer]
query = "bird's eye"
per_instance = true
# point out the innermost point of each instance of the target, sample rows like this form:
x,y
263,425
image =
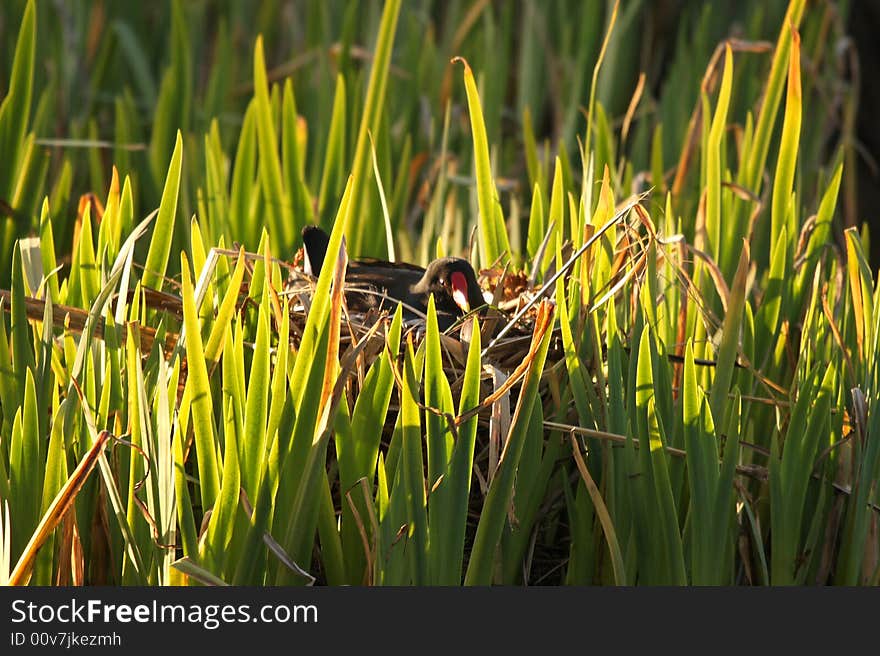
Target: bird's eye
x,y
442,281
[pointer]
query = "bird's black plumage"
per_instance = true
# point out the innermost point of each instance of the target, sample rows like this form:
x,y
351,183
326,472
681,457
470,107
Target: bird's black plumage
x,y
315,242
451,280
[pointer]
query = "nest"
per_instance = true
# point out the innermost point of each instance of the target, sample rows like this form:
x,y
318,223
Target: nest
x,y
511,293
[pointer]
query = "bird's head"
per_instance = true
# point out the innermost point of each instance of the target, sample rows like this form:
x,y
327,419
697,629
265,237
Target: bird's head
x,y
452,279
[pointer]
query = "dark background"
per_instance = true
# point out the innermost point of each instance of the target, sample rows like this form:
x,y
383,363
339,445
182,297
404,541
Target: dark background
x,y
864,26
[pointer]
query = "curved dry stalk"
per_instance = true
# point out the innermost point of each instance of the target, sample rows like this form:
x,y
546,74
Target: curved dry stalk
x,y
601,512
56,511
543,323
693,131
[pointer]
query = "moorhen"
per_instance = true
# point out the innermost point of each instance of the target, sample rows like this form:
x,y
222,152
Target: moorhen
x,y
370,282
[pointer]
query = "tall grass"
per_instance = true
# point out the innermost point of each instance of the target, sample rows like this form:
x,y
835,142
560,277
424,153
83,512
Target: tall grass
x,y
692,402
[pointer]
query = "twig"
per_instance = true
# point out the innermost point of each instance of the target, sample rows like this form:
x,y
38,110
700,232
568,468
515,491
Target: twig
x,y
564,269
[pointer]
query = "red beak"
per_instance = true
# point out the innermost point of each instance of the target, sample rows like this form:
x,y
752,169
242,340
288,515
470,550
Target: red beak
x,y
459,291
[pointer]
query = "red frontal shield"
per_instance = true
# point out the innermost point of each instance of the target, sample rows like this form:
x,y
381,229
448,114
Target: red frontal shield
x,y
460,290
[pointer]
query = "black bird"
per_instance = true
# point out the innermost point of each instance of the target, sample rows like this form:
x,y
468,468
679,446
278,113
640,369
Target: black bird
x,y
451,280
